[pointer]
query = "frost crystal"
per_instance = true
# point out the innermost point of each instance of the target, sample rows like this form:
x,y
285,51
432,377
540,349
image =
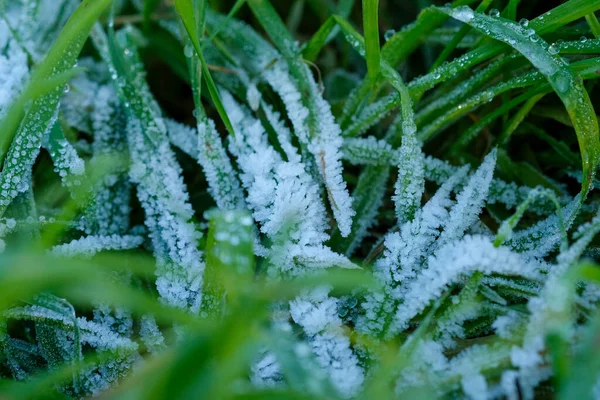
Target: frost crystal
x,y
162,193
317,313
286,203
90,245
205,145
311,116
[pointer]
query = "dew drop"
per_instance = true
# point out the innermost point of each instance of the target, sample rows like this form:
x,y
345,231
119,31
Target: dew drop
x,y
583,39
463,13
553,49
494,12
534,38
188,51
388,34
524,22
561,82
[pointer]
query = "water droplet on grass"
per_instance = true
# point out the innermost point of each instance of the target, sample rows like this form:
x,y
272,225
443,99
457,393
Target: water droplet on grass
x,y
388,34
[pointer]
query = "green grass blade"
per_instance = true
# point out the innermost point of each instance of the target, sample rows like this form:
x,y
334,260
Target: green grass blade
x,y
187,13
464,30
371,34
567,84
313,47
518,118
149,8
594,24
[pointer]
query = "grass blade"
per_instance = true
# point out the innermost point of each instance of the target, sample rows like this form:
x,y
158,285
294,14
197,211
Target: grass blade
x,y
41,114
371,34
567,84
187,13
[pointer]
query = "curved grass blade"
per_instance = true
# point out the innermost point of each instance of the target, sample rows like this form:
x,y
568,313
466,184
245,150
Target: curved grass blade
x,y
464,30
567,84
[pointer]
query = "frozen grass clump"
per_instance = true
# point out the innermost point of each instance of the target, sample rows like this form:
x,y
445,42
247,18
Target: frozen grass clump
x,y
270,203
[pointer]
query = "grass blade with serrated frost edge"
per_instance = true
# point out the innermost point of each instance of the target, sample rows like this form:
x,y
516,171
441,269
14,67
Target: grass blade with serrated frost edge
x,y
368,197
224,185
567,84
411,181
157,174
67,163
41,114
323,137
376,153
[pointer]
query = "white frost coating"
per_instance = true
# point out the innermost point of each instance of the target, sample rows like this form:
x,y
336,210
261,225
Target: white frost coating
x,y
550,313
150,334
92,333
163,196
410,185
266,372
546,310
315,128
13,68
67,163
253,97
183,136
223,182
324,146
475,387
82,96
87,246
285,202
111,208
369,151
317,313
406,251
206,147
283,197
102,338
469,201
473,253
463,13
540,239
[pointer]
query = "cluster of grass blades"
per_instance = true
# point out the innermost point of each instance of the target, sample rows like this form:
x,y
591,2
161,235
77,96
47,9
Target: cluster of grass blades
x,y
304,199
